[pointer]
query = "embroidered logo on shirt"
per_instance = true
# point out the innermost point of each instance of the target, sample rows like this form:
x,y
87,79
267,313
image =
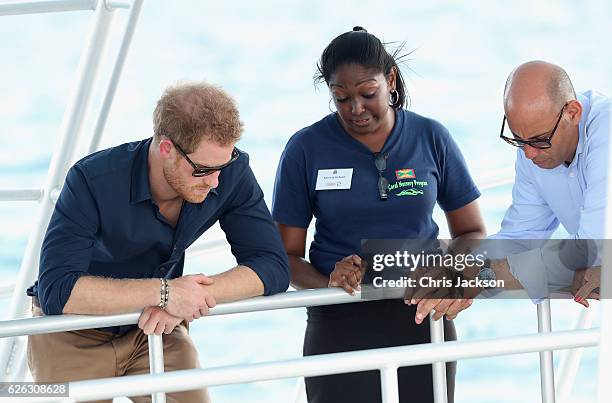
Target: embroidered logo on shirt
x,y
410,192
406,173
409,188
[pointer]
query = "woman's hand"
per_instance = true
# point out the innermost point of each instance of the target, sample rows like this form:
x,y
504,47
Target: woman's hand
x,y
347,274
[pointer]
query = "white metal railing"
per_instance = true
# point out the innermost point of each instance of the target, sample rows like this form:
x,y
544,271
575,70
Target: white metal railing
x,y
63,155
72,123
330,364
547,374
57,6
111,87
410,355
36,7
568,366
605,352
59,323
21,194
291,299
387,360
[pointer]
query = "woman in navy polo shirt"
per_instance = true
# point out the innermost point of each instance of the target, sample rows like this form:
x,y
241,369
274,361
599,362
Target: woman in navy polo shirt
x,y
371,170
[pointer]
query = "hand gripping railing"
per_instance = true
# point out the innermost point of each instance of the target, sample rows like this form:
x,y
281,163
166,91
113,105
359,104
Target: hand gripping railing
x,y
59,323
387,360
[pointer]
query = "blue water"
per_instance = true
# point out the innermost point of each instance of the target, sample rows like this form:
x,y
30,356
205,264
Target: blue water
x,y
265,54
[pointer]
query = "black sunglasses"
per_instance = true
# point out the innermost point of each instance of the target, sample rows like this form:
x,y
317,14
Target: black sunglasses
x,y
200,170
380,161
539,143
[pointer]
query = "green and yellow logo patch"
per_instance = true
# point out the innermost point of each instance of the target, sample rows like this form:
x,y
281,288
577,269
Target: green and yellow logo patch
x,y
407,173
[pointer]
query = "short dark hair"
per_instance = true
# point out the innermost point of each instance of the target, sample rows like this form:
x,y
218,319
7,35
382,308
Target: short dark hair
x,y
364,49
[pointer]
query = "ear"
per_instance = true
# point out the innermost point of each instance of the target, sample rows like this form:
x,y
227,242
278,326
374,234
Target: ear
x,y
574,111
166,148
391,78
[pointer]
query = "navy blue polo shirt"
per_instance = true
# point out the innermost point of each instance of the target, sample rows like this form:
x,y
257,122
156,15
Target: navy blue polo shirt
x,y
106,224
423,166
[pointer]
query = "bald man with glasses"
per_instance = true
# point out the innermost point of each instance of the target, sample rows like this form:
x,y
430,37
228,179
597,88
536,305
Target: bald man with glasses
x,y
561,173
561,179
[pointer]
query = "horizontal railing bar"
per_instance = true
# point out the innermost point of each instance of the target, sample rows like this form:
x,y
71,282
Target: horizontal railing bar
x,y
291,299
328,364
205,247
36,7
496,183
118,4
21,194
498,178
6,289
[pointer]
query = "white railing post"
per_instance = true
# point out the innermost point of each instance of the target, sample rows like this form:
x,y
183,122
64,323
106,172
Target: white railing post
x,y
115,75
156,363
60,161
388,384
547,373
570,361
300,390
436,330
605,348
604,391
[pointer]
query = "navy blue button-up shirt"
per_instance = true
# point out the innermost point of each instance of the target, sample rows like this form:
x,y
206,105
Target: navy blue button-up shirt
x,y
106,224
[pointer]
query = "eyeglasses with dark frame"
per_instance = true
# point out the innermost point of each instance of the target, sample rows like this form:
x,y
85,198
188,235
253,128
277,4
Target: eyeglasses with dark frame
x,y
540,144
200,170
380,161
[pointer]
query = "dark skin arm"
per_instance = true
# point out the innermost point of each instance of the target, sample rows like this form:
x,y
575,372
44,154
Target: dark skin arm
x,y
303,274
464,223
466,227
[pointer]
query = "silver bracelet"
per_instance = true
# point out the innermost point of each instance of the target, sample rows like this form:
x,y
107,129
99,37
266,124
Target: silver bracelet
x,y
163,293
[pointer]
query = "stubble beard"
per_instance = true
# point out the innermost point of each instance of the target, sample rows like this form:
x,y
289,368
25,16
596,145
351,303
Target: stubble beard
x,y
192,194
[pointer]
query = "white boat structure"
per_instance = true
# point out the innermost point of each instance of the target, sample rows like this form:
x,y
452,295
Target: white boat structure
x,y
158,382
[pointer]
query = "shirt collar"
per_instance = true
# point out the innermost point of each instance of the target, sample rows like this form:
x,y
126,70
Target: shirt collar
x,y
140,190
581,127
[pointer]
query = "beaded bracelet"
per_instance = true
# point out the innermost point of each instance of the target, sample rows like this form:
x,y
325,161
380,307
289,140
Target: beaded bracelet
x,y
164,292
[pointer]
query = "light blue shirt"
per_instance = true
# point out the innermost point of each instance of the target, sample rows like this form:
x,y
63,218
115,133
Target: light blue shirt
x,y
573,196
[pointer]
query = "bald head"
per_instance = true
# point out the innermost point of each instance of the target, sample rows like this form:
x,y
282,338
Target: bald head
x,y
537,87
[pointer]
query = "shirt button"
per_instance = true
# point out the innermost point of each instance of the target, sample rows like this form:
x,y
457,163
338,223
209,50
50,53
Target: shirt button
x,y
572,174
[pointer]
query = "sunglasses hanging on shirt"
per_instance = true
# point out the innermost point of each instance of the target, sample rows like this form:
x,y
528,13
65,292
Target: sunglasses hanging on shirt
x,y
380,160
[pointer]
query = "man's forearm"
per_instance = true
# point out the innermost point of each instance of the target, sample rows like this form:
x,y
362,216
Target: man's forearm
x,y
501,268
104,296
238,283
107,296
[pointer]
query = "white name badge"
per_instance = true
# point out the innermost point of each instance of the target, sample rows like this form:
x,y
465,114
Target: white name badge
x,y
334,179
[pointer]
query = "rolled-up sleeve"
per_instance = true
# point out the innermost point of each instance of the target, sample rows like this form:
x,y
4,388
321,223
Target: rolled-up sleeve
x,y
68,244
253,236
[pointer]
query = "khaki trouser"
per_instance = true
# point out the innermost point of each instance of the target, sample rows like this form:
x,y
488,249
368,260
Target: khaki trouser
x,y
92,354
